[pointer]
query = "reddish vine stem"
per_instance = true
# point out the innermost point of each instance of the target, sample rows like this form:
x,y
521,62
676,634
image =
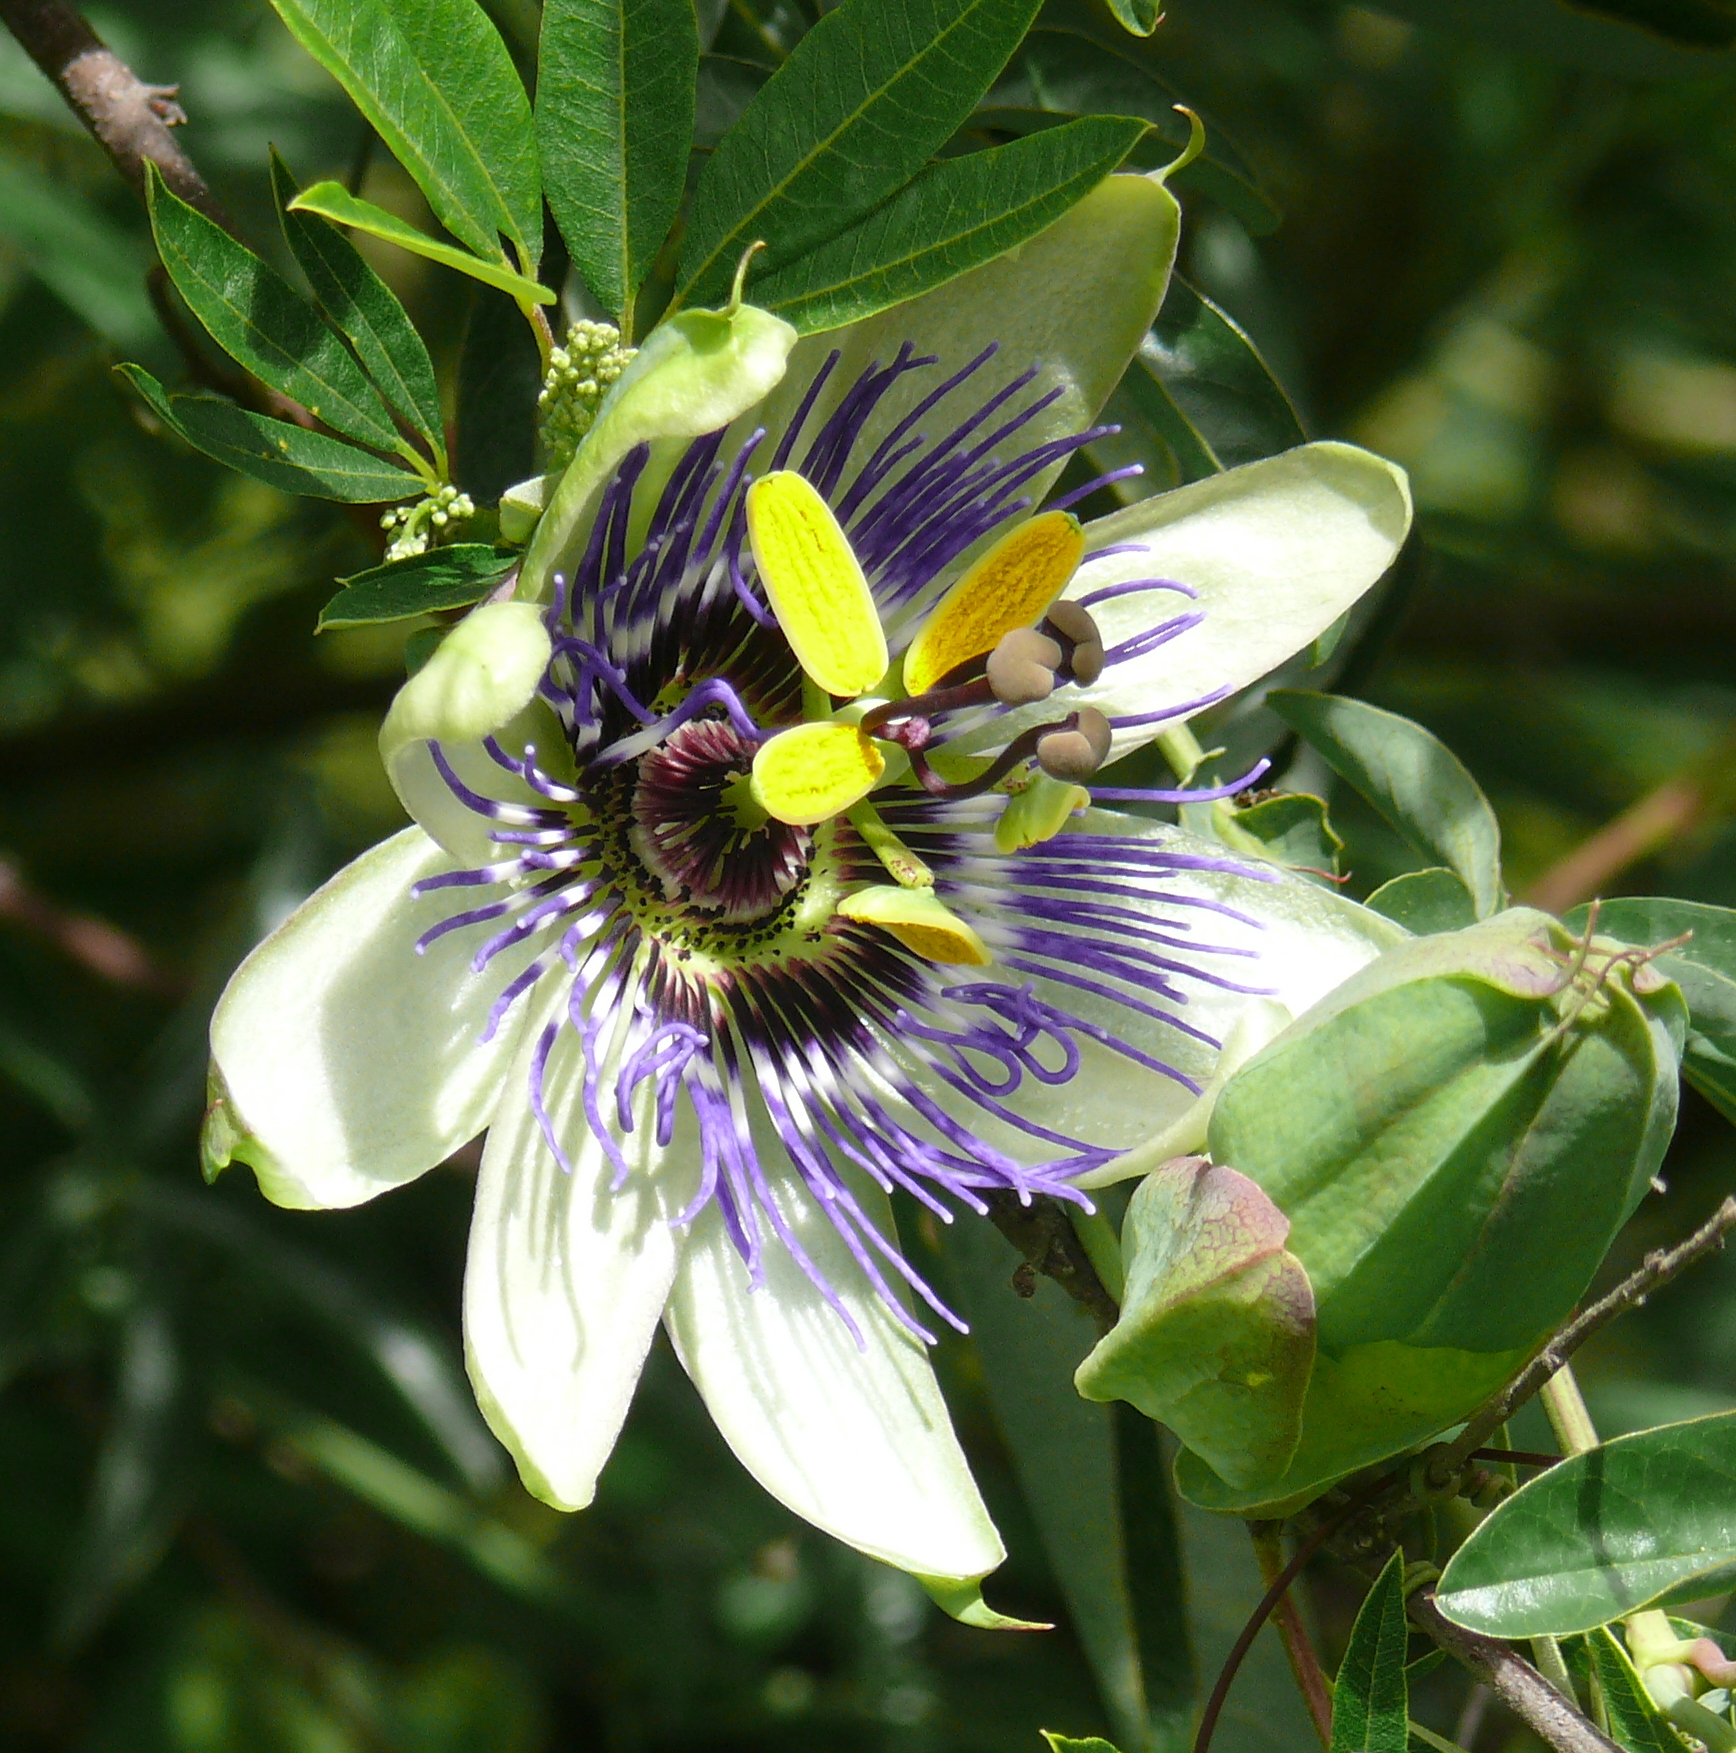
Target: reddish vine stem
x,y
1298,1645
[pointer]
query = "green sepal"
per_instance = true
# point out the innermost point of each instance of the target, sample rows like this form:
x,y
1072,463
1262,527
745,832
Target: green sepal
x,y
1216,1335
962,1597
1291,829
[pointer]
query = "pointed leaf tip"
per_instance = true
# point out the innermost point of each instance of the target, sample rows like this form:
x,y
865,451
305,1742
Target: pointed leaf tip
x,y
962,1597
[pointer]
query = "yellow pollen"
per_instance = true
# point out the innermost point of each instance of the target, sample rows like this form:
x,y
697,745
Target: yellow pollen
x,y
812,772
920,922
815,585
1010,586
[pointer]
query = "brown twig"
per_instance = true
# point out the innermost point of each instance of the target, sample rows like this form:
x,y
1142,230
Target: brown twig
x,y
1512,1679
1658,1268
130,120
1298,1645
1043,1232
103,949
1589,869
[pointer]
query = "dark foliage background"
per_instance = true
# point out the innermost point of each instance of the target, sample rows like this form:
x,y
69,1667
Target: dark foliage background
x,y
245,1503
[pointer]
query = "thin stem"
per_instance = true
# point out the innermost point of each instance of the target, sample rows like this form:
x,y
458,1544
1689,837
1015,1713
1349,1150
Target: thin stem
x,y
1043,1232
1512,1679
1658,1268
129,119
1568,1416
1298,1646
1660,816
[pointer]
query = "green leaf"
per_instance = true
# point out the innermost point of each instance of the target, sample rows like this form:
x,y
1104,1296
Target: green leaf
x,y
333,201
499,377
443,578
1066,1743
862,103
366,310
1203,387
1634,1719
1067,1458
1371,1698
1411,778
1705,969
78,252
1641,1520
614,120
262,322
955,216
1063,73
1426,901
283,456
1291,828
1138,17
438,85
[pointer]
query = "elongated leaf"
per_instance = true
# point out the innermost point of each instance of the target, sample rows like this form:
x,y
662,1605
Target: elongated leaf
x,y
1634,1720
273,451
1065,1454
333,201
1644,1519
443,578
438,85
1426,901
1371,1700
366,310
75,249
1204,388
955,216
614,121
1066,1743
864,100
1064,73
1411,777
263,323
1705,969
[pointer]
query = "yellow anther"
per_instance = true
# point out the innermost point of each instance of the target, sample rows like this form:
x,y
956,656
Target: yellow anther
x,y
815,585
1010,586
812,772
1038,813
920,922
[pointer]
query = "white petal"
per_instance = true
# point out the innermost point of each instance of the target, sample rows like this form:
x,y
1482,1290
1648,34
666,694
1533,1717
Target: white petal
x,y
345,1063
566,1278
1306,941
856,1440
1075,301
1275,552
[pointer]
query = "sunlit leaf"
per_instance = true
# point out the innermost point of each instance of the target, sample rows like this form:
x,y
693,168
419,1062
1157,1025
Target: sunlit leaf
x,y
273,451
863,101
614,120
1635,1721
1426,901
263,323
1644,1519
955,216
333,201
435,80
366,310
443,578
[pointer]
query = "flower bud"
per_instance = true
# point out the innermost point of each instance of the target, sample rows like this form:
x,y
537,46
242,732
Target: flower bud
x,y
1455,1136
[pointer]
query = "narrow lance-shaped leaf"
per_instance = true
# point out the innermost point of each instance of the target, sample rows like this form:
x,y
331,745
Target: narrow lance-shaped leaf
x,y
366,310
263,323
865,99
1371,1700
442,578
1643,1519
436,81
333,201
283,456
957,215
1411,777
614,122
1634,1719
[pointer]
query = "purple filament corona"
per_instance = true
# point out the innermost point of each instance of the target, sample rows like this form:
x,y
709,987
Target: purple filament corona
x,y
708,1002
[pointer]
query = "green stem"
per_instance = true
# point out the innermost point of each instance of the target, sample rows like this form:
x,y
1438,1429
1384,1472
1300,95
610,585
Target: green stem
x,y
1182,750
1102,1248
1568,1417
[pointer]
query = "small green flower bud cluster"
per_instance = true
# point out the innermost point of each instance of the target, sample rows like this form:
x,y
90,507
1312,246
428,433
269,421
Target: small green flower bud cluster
x,y
421,524
579,376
